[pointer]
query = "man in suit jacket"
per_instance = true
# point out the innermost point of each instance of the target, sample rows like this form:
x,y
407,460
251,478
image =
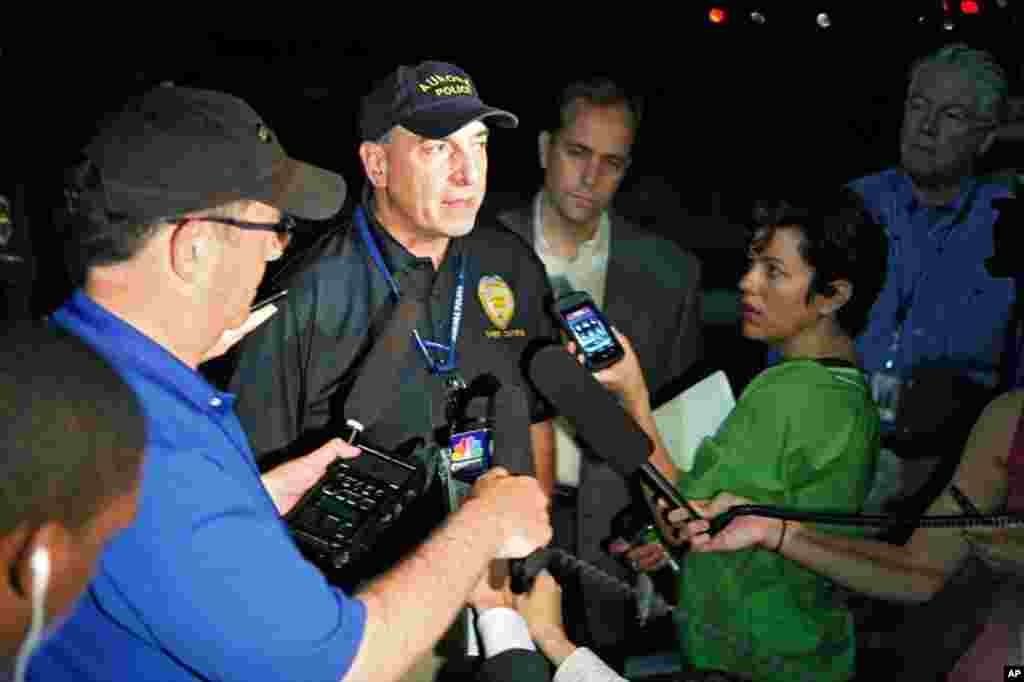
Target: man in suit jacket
x,y
648,288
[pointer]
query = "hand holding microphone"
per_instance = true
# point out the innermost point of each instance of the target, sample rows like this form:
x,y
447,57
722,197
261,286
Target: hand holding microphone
x,y
519,509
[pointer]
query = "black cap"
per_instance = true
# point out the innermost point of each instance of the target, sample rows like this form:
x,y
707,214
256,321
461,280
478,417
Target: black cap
x,y
175,150
432,99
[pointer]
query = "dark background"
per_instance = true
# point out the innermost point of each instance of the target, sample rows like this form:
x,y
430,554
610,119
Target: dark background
x,y
734,111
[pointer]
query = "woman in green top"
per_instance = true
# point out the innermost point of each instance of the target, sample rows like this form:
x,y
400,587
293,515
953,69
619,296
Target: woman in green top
x,y
804,433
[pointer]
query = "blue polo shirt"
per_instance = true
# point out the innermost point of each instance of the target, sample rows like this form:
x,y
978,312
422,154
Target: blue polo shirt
x,y
939,306
207,583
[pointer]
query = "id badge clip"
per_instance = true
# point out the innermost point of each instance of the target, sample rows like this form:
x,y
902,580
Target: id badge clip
x,y
886,387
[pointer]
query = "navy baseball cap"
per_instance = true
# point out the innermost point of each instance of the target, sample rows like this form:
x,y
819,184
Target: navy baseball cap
x,y
432,99
175,150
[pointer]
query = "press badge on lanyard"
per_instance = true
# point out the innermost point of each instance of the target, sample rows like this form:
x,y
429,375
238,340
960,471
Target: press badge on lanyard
x,y
886,387
886,383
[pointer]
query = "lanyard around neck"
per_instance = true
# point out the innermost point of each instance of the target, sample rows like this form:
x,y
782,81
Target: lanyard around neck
x,y
427,348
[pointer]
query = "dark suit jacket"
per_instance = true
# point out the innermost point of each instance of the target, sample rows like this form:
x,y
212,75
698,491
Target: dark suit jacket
x,y
652,295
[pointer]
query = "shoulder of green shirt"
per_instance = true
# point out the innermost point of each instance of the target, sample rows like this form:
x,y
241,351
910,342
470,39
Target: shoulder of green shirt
x,y
804,372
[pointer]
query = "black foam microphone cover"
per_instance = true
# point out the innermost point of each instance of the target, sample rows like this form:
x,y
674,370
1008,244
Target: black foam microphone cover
x,y
513,448
608,431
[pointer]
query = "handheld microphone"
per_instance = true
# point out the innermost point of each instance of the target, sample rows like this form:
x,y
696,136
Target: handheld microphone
x,y
488,425
513,448
609,432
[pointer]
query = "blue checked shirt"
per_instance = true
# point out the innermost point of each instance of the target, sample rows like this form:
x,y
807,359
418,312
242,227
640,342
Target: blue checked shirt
x,y
939,306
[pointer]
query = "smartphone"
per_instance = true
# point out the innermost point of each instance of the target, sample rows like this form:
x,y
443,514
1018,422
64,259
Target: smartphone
x,y
580,317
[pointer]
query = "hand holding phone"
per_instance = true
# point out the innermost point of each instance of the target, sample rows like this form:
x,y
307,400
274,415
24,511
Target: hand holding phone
x,y
588,328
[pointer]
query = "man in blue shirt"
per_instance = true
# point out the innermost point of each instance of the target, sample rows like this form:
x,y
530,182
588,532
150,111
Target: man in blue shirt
x,y
936,338
939,325
183,198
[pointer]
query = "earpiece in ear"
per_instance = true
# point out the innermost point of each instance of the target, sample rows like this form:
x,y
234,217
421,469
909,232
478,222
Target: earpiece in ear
x,y
40,563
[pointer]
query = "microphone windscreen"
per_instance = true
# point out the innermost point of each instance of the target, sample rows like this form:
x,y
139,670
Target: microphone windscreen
x,y
513,448
608,431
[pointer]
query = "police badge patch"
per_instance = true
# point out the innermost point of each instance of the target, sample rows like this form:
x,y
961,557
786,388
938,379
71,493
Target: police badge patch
x,y
497,300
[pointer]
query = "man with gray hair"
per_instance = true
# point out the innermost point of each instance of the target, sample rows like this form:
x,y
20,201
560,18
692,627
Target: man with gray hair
x,y
937,338
940,322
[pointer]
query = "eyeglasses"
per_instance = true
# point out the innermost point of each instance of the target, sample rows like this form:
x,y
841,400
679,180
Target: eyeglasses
x,y
955,117
286,225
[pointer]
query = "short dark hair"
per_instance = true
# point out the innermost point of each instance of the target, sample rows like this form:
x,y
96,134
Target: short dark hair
x,y
840,240
598,92
72,433
94,235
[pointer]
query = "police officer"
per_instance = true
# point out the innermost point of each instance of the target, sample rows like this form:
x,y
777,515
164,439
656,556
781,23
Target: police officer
x,y
413,233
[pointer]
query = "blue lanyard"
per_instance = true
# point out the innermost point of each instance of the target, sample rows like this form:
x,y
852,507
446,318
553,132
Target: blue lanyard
x,y
427,348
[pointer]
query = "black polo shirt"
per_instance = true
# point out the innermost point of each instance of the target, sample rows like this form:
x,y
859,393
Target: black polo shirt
x,y
294,373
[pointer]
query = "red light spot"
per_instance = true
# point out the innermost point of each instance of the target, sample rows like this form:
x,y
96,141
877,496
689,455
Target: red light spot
x,y
717,15
970,7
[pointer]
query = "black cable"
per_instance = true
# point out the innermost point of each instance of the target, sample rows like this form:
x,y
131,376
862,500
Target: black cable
x,y
563,565
1008,520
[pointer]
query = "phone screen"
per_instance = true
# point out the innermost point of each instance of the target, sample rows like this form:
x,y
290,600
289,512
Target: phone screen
x,y
593,337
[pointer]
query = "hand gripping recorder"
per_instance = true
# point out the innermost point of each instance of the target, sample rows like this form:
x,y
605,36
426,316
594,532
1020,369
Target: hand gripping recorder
x,y
340,518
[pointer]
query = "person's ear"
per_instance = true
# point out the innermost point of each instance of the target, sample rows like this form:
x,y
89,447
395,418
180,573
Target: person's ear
x,y
189,246
543,147
375,163
835,296
35,556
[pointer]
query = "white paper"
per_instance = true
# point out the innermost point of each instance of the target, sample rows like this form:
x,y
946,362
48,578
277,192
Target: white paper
x,y
693,415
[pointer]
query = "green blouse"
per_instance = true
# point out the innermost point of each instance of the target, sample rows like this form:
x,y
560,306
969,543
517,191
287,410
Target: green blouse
x,y
804,435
